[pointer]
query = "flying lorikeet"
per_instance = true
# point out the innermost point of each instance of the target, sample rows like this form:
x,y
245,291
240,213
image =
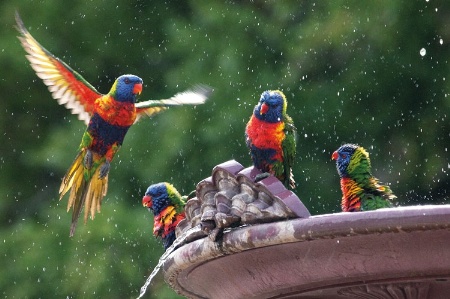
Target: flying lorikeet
x,y
167,205
108,118
361,191
271,137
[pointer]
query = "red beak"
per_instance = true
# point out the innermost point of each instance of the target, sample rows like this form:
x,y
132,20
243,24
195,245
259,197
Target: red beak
x,y
334,156
147,201
137,89
264,108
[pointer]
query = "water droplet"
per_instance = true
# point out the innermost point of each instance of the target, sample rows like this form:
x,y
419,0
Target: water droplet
x,y
178,242
423,52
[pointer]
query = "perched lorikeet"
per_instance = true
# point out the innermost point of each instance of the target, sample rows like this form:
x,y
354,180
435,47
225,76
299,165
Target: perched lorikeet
x,y
108,118
361,191
167,205
271,137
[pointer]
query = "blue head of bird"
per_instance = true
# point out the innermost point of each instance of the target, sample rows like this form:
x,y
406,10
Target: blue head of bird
x,y
343,156
271,107
126,88
352,161
156,198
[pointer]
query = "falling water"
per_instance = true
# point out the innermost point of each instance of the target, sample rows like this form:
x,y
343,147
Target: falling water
x,y
177,243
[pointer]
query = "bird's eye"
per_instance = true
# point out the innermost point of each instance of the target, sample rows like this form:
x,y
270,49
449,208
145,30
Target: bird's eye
x,y
344,156
127,81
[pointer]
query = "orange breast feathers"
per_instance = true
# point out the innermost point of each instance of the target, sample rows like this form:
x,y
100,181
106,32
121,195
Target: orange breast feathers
x,y
115,112
351,192
166,221
266,135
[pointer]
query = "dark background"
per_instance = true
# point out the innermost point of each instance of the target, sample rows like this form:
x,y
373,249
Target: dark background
x,y
353,71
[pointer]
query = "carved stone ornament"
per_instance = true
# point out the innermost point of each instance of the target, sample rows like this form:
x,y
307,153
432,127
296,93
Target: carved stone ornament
x,y
231,198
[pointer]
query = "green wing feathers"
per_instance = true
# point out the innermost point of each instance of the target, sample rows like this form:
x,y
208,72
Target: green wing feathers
x,y
289,151
376,196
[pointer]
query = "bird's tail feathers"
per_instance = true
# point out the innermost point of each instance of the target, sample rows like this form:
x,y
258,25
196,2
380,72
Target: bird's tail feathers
x,y
72,174
76,200
96,190
86,190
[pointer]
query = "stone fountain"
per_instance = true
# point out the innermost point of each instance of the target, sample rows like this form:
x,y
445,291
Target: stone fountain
x,y
257,240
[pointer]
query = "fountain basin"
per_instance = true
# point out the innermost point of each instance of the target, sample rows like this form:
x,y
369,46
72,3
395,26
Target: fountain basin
x,y
388,253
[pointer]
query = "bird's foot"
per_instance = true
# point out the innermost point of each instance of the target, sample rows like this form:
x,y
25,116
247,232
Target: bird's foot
x,y
261,176
216,234
88,159
104,169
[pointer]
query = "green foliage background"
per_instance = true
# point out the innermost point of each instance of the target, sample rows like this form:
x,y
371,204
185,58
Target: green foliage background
x,y
351,71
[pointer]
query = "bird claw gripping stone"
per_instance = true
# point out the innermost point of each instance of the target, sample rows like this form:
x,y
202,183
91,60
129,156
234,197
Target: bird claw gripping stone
x,y
88,159
232,197
261,176
104,169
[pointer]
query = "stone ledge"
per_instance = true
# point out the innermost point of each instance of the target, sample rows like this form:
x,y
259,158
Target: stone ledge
x,y
389,253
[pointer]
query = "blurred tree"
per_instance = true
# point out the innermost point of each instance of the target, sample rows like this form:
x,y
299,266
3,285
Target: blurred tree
x,y
373,73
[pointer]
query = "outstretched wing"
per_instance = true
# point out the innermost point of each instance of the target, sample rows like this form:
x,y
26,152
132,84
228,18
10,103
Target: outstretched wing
x,y
65,84
195,96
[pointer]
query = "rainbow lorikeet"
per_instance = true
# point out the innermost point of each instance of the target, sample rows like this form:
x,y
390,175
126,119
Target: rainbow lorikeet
x,y
271,137
167,205
108,118
361,191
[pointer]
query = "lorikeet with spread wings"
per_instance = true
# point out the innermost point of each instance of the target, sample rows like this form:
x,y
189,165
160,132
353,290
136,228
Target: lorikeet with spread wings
x,y
167,205
108,118
270,136
361,191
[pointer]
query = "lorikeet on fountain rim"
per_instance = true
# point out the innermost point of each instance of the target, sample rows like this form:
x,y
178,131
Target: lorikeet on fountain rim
x,y
361,191
167,206
108,118
270,136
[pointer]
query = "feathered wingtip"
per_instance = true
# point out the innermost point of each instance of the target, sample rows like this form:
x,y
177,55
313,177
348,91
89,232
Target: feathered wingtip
x,y
20,25
292,183
30,44
194,96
